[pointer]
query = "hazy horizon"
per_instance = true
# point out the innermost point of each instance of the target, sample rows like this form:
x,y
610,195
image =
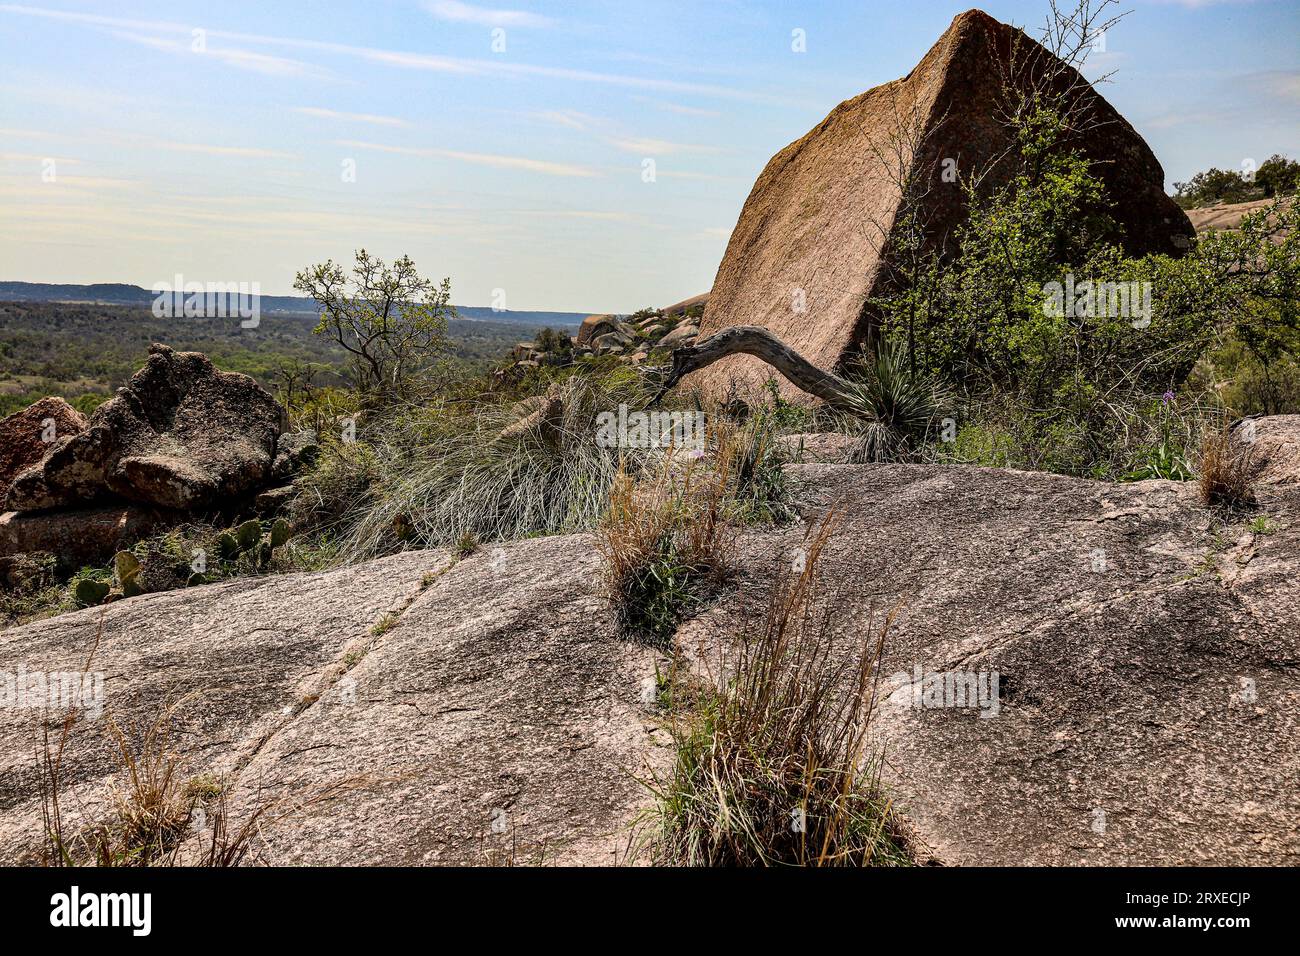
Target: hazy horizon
x,y
504,147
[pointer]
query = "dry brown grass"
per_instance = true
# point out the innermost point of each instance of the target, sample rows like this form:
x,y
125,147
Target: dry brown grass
x,y
159,814
775,769
665,539
1225,470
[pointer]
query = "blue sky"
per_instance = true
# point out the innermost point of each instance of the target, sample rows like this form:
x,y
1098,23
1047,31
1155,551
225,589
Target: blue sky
x,y
515,169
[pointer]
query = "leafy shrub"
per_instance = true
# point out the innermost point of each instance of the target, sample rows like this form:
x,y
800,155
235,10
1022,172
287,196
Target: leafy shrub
x,y
1276,176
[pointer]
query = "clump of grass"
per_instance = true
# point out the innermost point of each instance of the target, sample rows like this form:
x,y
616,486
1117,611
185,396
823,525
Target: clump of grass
x,y
1263,525
761,492
772,770
438,476
153,813
1117,437
442,472
664,540
1225,471
466,545
30,589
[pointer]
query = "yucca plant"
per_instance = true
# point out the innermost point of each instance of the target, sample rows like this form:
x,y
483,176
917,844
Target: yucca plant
x,y
893,406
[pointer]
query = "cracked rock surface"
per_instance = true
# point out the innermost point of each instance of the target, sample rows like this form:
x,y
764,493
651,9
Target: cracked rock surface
x,y
1147,652
447,708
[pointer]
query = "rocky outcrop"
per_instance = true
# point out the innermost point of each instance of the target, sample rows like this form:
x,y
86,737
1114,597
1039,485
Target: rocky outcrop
x,y
594,325
294,451
81,536
180,435
1224,215
456,707
1146,691
1274,448
806,254
26,436
692,306
631,340
1147,705
684,334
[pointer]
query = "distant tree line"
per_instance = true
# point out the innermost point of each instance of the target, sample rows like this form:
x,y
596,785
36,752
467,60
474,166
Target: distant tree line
x,y
1276,176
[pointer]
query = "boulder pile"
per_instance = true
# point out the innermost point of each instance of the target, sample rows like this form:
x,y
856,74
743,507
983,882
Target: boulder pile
x,y
182,439
632,339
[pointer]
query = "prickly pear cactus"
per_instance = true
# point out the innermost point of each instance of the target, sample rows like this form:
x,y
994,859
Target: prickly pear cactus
x,y
248,535
227,546
126,568
89,592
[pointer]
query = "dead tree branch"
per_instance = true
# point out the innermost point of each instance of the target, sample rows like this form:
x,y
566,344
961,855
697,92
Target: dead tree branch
x,y
751,340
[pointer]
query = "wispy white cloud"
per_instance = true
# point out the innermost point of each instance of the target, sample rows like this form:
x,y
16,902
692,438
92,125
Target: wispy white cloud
x,y
414,61
648,146
457,12
1284,84
1173,120
479,159
679,108
251,152
571,119
371,118
35,158
240,59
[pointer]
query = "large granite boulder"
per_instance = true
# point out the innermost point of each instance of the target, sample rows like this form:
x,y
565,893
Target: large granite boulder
x,y
180,435
806,254
27,436
593,326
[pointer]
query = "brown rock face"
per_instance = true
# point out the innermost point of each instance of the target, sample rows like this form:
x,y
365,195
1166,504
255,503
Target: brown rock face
x,y
1274,443
594,325
181,435
806,253
80,536
26,436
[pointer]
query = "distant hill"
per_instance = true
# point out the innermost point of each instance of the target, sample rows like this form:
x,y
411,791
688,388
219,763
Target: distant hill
x,y
119,293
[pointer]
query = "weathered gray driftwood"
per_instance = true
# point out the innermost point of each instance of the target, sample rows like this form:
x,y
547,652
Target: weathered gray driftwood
x,y
751,340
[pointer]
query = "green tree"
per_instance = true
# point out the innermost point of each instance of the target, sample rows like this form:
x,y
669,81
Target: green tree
x,y
1214,185
1278,176
392,321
